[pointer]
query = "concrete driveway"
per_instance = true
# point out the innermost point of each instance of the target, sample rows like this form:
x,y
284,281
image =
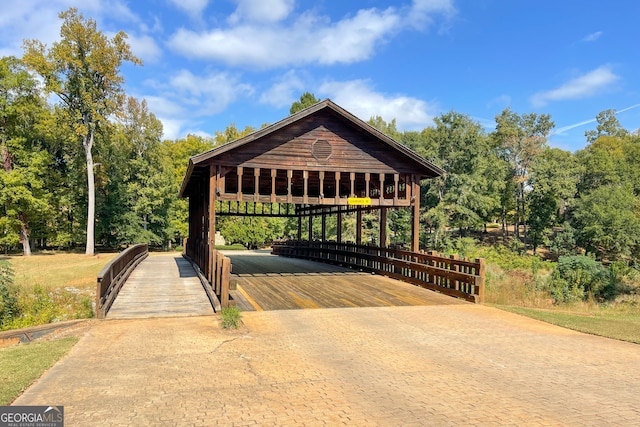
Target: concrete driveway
x,y
380,366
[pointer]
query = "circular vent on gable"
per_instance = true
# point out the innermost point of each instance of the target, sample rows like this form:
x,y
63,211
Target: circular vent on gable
x,y
321,149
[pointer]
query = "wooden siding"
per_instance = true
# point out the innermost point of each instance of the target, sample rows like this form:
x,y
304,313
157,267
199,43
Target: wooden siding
x,y
350,149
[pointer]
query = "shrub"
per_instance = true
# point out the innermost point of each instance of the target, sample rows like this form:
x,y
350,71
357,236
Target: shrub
x,y
577,277
230,317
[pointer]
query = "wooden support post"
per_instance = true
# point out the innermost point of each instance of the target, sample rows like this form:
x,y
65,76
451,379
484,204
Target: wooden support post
x,y
256,183
415,227
352,179
289,178
337,176
324,226
480,280
382,189
339,225
213,182
224,282
396,180
383,228
239,195
367,181
359,226
305,192
274,173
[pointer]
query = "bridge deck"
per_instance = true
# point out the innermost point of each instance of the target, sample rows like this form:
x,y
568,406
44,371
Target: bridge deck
x,y
161,286
268,282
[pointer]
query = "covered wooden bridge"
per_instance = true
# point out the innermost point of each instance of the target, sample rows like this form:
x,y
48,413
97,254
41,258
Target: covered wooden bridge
x,y
319,162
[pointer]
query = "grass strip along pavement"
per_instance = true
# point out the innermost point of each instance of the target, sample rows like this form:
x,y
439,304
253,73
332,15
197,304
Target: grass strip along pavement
x,y
22,364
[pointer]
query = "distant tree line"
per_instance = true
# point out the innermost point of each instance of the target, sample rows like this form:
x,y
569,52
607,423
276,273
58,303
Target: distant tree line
x,y
94,166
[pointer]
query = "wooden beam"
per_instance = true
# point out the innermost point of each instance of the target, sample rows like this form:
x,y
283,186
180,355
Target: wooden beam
x,y
305,191
256,184
415,227
324,226
239,183
339,225
367,180
383,228
352,178
359,226
274,173
213,182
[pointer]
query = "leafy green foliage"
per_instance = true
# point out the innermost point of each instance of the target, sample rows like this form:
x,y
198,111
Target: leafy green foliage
x,y
307,99
609,222
82,69
8,299
251,232
575,277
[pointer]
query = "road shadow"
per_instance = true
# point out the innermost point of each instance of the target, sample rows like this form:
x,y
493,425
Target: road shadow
x,y
184,267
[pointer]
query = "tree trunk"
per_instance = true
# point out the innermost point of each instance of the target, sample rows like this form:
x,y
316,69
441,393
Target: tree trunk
x,y
91,194
24,237
524,219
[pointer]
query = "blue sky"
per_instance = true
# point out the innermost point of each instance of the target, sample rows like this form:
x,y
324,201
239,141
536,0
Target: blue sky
x,y
210,63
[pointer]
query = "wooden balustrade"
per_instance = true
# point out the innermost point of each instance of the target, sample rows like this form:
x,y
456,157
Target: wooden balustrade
x,y
214,271
449,275
114,274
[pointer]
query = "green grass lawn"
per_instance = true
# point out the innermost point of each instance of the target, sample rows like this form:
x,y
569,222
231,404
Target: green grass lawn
x,y
621,324
22,364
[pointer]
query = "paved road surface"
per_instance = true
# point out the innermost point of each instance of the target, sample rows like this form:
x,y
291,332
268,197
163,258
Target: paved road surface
x,y
378,366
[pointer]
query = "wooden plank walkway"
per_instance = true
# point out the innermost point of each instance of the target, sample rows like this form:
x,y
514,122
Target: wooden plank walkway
x,y
268,282
161,286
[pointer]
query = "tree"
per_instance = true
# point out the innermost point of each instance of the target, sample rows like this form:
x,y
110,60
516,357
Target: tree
x,y
135,180
307,99
464,192
608,124
554,177
520,139
608,222
82,69
24,163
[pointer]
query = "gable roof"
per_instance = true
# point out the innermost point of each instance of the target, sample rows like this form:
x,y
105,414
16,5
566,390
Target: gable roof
x,y
422,167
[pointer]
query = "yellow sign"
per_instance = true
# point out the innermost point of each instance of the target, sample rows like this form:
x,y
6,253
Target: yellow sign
x,y
359,201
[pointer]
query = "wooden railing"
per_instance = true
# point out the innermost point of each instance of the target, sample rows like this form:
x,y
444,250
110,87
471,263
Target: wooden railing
x,y
214,271
114,274
449,275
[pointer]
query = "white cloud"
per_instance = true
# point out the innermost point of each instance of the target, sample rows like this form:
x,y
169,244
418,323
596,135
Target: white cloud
x,y
592,37
38,20
211,93
185,98
261,10
582,86
422,11
360,99
310,39
284,91
193,8
144,47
